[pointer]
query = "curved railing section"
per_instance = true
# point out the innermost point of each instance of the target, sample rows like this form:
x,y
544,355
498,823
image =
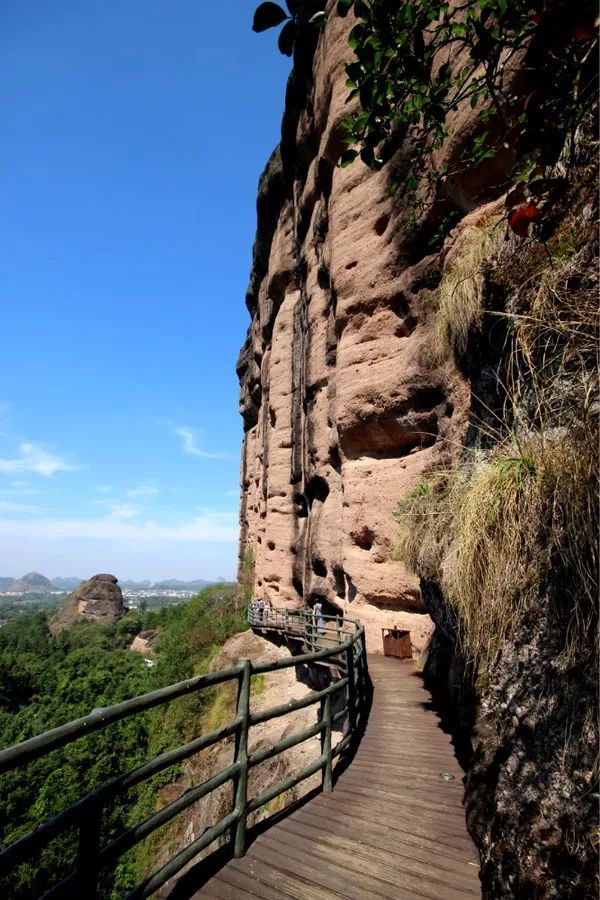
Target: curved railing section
x,y
336,642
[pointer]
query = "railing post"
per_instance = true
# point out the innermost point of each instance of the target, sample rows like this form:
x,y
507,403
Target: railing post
x,y
241,757
326,743
89,849
351,689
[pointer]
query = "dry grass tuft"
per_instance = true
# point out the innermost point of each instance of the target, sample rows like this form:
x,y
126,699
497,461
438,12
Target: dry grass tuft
x,y
495,536
527,519
460,294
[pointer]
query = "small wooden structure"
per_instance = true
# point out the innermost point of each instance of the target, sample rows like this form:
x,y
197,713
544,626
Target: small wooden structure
x,y
396,642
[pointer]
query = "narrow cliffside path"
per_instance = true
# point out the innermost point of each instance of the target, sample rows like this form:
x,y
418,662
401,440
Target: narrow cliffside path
x,y
393,827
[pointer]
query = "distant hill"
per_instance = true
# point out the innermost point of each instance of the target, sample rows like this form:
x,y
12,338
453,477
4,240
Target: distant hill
x,y
33,582
66,584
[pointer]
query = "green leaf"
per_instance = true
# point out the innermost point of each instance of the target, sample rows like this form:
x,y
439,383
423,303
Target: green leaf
x,y
287,37
343,7
317,18
347,157
268,15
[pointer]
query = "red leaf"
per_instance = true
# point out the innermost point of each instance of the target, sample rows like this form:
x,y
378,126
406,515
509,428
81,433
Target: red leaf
x,y
521,218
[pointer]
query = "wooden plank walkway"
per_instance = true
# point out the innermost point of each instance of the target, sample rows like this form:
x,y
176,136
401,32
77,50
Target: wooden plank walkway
x,y
392,827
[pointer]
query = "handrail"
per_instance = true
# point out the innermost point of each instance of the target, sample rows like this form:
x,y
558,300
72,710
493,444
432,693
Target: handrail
x,y
339,642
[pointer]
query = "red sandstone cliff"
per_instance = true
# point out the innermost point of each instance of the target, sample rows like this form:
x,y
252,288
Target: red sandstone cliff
x,y
343,402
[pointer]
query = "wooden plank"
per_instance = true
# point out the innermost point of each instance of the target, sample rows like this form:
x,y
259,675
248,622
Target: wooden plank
x,y
409,835
397,849
308,852
395,807
301,881
240,884
379,868
425,791
222,889
412,823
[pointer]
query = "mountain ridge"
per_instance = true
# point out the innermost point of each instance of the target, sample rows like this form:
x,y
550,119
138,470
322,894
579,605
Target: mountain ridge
x,y
35,582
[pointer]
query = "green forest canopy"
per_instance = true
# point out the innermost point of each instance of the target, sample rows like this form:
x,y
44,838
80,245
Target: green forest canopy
x,y
46,681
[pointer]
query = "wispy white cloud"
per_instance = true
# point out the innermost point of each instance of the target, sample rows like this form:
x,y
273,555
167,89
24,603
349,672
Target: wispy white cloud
x,y
9,506
147,489
20,489
189,438
117,510
34,459
209,526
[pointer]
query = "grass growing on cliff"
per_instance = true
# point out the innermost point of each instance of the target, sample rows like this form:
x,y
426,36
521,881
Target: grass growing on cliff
x,y
526,516
460,294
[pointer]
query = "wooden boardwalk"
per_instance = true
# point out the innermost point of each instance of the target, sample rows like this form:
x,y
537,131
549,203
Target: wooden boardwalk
x,y
392,828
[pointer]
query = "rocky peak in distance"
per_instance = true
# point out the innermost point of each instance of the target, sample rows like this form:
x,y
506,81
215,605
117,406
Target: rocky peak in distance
x,y
99,599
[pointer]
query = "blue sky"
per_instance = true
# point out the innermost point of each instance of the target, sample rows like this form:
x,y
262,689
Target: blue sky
x,y
134,132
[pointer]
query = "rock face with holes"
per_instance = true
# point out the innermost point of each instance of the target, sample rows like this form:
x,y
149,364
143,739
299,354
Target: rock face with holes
x,y
343,402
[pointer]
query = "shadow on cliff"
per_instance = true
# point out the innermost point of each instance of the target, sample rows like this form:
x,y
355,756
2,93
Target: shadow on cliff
x,y
446,678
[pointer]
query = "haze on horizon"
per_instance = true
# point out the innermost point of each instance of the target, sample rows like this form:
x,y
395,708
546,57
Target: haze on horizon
x,y
134,136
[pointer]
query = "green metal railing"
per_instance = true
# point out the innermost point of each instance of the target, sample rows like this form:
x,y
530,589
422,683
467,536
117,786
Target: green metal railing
x,y
331,640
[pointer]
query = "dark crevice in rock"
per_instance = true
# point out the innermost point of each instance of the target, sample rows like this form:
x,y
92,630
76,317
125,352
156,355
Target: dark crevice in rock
x,y
335,460
325,176
301,506
339,579
351,589
321,226
323,278
381,224
363,538
319,567
316,489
